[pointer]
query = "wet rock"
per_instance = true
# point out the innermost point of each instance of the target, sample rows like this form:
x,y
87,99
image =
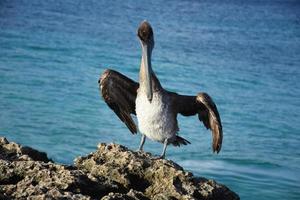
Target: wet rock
x,y
111,172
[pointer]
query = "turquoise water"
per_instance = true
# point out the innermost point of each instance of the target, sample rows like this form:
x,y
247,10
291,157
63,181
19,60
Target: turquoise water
x,y
246,55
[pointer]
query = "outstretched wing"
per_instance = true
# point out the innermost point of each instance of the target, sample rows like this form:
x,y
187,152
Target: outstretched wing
x,y
119,92
207,111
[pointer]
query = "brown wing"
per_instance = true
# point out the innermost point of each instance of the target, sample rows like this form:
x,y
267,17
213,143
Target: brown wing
x,y
207,111
119,92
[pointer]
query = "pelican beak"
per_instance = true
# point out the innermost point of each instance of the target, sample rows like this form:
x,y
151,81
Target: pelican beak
x,y
147,67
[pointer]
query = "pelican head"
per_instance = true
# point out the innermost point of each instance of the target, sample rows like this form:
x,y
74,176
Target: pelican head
x,y
145,34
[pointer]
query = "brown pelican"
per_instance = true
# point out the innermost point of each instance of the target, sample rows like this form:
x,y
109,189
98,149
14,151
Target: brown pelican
x,y
156,108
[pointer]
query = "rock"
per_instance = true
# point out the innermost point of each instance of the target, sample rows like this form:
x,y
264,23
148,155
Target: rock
x,y
131,195
155,178
13,151
111,173
23,179
34,154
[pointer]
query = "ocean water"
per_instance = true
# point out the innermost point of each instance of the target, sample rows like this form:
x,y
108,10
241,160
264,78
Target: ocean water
x,y
245,54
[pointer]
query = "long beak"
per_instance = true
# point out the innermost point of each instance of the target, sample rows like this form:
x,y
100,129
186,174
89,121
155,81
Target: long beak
x,y
148,70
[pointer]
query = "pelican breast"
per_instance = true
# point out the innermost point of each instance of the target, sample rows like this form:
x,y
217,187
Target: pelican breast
x,y
156,120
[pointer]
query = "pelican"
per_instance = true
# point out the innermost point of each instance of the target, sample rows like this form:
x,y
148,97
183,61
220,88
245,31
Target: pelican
x,y
156,109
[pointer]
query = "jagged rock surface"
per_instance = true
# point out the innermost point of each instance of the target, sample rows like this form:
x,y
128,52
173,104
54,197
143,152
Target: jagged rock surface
x,y
111,173
30,174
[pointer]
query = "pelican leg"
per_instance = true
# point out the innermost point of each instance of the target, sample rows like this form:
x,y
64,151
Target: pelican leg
x,y
164,149
142,143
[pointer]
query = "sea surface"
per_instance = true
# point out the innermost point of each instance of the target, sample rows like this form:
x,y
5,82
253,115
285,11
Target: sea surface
x,y
245,54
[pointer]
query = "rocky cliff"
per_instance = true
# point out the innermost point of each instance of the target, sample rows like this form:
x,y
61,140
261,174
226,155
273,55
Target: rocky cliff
x,y
111,172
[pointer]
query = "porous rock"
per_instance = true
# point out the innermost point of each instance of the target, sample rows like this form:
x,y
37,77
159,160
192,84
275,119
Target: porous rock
x,y
13,151
112,172
155,178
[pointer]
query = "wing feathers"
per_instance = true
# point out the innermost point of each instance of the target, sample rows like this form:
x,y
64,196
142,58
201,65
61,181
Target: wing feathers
x,y
203,105
211,119
119,92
